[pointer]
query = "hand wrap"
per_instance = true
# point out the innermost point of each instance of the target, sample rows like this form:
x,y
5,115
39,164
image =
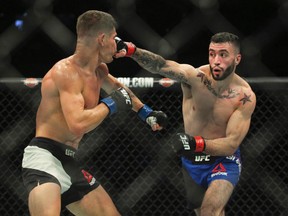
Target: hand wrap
x,y
152,117
128,46
118,100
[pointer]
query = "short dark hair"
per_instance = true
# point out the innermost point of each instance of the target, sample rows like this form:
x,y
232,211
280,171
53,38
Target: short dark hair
x,y
223,37
92,22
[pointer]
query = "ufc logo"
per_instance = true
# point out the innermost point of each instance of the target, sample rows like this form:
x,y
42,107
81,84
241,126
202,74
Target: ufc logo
x,y
126,95
185,142
199,158
70,153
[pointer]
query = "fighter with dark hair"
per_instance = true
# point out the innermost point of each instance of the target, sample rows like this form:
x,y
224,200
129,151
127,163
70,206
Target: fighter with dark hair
x,y
217,108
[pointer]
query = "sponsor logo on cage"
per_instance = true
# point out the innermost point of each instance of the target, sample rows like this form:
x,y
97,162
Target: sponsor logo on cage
x,y
145,82
31,82
136,82
166,82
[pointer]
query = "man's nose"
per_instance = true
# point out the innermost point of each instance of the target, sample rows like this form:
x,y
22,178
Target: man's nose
x,y
217,60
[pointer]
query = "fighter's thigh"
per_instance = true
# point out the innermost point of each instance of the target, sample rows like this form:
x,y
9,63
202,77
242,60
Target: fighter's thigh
x,y
96,202
45,199
218,193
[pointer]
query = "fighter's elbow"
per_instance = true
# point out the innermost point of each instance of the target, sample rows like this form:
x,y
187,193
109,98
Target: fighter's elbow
x,y
232,148
77,129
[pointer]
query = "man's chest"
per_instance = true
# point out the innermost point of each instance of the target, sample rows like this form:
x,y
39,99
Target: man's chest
x,y
91,92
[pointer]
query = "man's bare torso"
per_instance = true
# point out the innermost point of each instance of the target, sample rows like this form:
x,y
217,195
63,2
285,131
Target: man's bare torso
x,y
206,111
50,119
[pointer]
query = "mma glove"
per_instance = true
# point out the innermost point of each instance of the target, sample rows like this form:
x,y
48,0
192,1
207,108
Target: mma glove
x,y
185,145
129,47
118,100
152,117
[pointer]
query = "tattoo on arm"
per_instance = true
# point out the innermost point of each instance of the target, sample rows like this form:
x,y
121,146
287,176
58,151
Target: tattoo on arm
x,y
177,76
245,99
155,64
149,60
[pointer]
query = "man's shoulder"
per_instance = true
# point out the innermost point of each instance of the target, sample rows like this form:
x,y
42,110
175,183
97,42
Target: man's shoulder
x,y
243,83
204,68
103,69
247,95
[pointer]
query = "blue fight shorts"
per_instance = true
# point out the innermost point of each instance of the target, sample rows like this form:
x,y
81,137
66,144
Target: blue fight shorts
x,y
205,168
201,169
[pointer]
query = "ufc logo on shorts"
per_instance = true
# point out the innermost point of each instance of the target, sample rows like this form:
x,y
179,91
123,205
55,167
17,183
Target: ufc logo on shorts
x,y
126,95
199,158
70,153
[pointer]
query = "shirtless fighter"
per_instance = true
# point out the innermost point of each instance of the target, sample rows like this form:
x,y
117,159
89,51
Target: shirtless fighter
x,y
217,108
70,107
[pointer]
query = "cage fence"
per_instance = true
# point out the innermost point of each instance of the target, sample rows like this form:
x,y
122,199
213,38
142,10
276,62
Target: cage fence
x,y
135,165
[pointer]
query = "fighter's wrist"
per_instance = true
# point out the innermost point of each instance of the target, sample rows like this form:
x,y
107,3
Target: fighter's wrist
x,y
131,49
110,103
144,112
199,143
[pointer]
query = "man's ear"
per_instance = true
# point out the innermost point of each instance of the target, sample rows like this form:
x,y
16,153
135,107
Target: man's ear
x,y
238,59
101,38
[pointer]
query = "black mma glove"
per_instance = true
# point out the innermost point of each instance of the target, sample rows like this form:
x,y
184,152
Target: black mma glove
x,y
128,46
118,100
152,117
185,145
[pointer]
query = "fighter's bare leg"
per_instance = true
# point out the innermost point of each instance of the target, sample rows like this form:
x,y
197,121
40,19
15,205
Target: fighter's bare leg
x,y
45,200
96,202
215,199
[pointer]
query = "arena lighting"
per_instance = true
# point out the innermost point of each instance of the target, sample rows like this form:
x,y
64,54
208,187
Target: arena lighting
x,y
19,23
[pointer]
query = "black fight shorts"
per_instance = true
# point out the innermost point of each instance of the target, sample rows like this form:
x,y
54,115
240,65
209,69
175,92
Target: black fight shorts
x,y
46,160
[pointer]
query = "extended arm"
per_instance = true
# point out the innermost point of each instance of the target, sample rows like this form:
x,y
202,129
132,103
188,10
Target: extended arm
x,y
157,64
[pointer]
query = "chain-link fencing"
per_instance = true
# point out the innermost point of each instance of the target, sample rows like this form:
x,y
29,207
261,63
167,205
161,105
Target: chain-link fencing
x,y
135,164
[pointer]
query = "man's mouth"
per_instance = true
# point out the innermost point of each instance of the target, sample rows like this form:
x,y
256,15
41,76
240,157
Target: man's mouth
x,y
217,72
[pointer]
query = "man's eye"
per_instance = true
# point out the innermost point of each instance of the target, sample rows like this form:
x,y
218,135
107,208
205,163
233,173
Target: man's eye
x,y
223,55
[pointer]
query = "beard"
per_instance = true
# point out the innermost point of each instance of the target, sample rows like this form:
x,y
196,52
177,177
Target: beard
x,y
225,74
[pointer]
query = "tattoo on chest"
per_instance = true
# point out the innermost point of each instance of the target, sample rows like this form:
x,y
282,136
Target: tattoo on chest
x,y
231,93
